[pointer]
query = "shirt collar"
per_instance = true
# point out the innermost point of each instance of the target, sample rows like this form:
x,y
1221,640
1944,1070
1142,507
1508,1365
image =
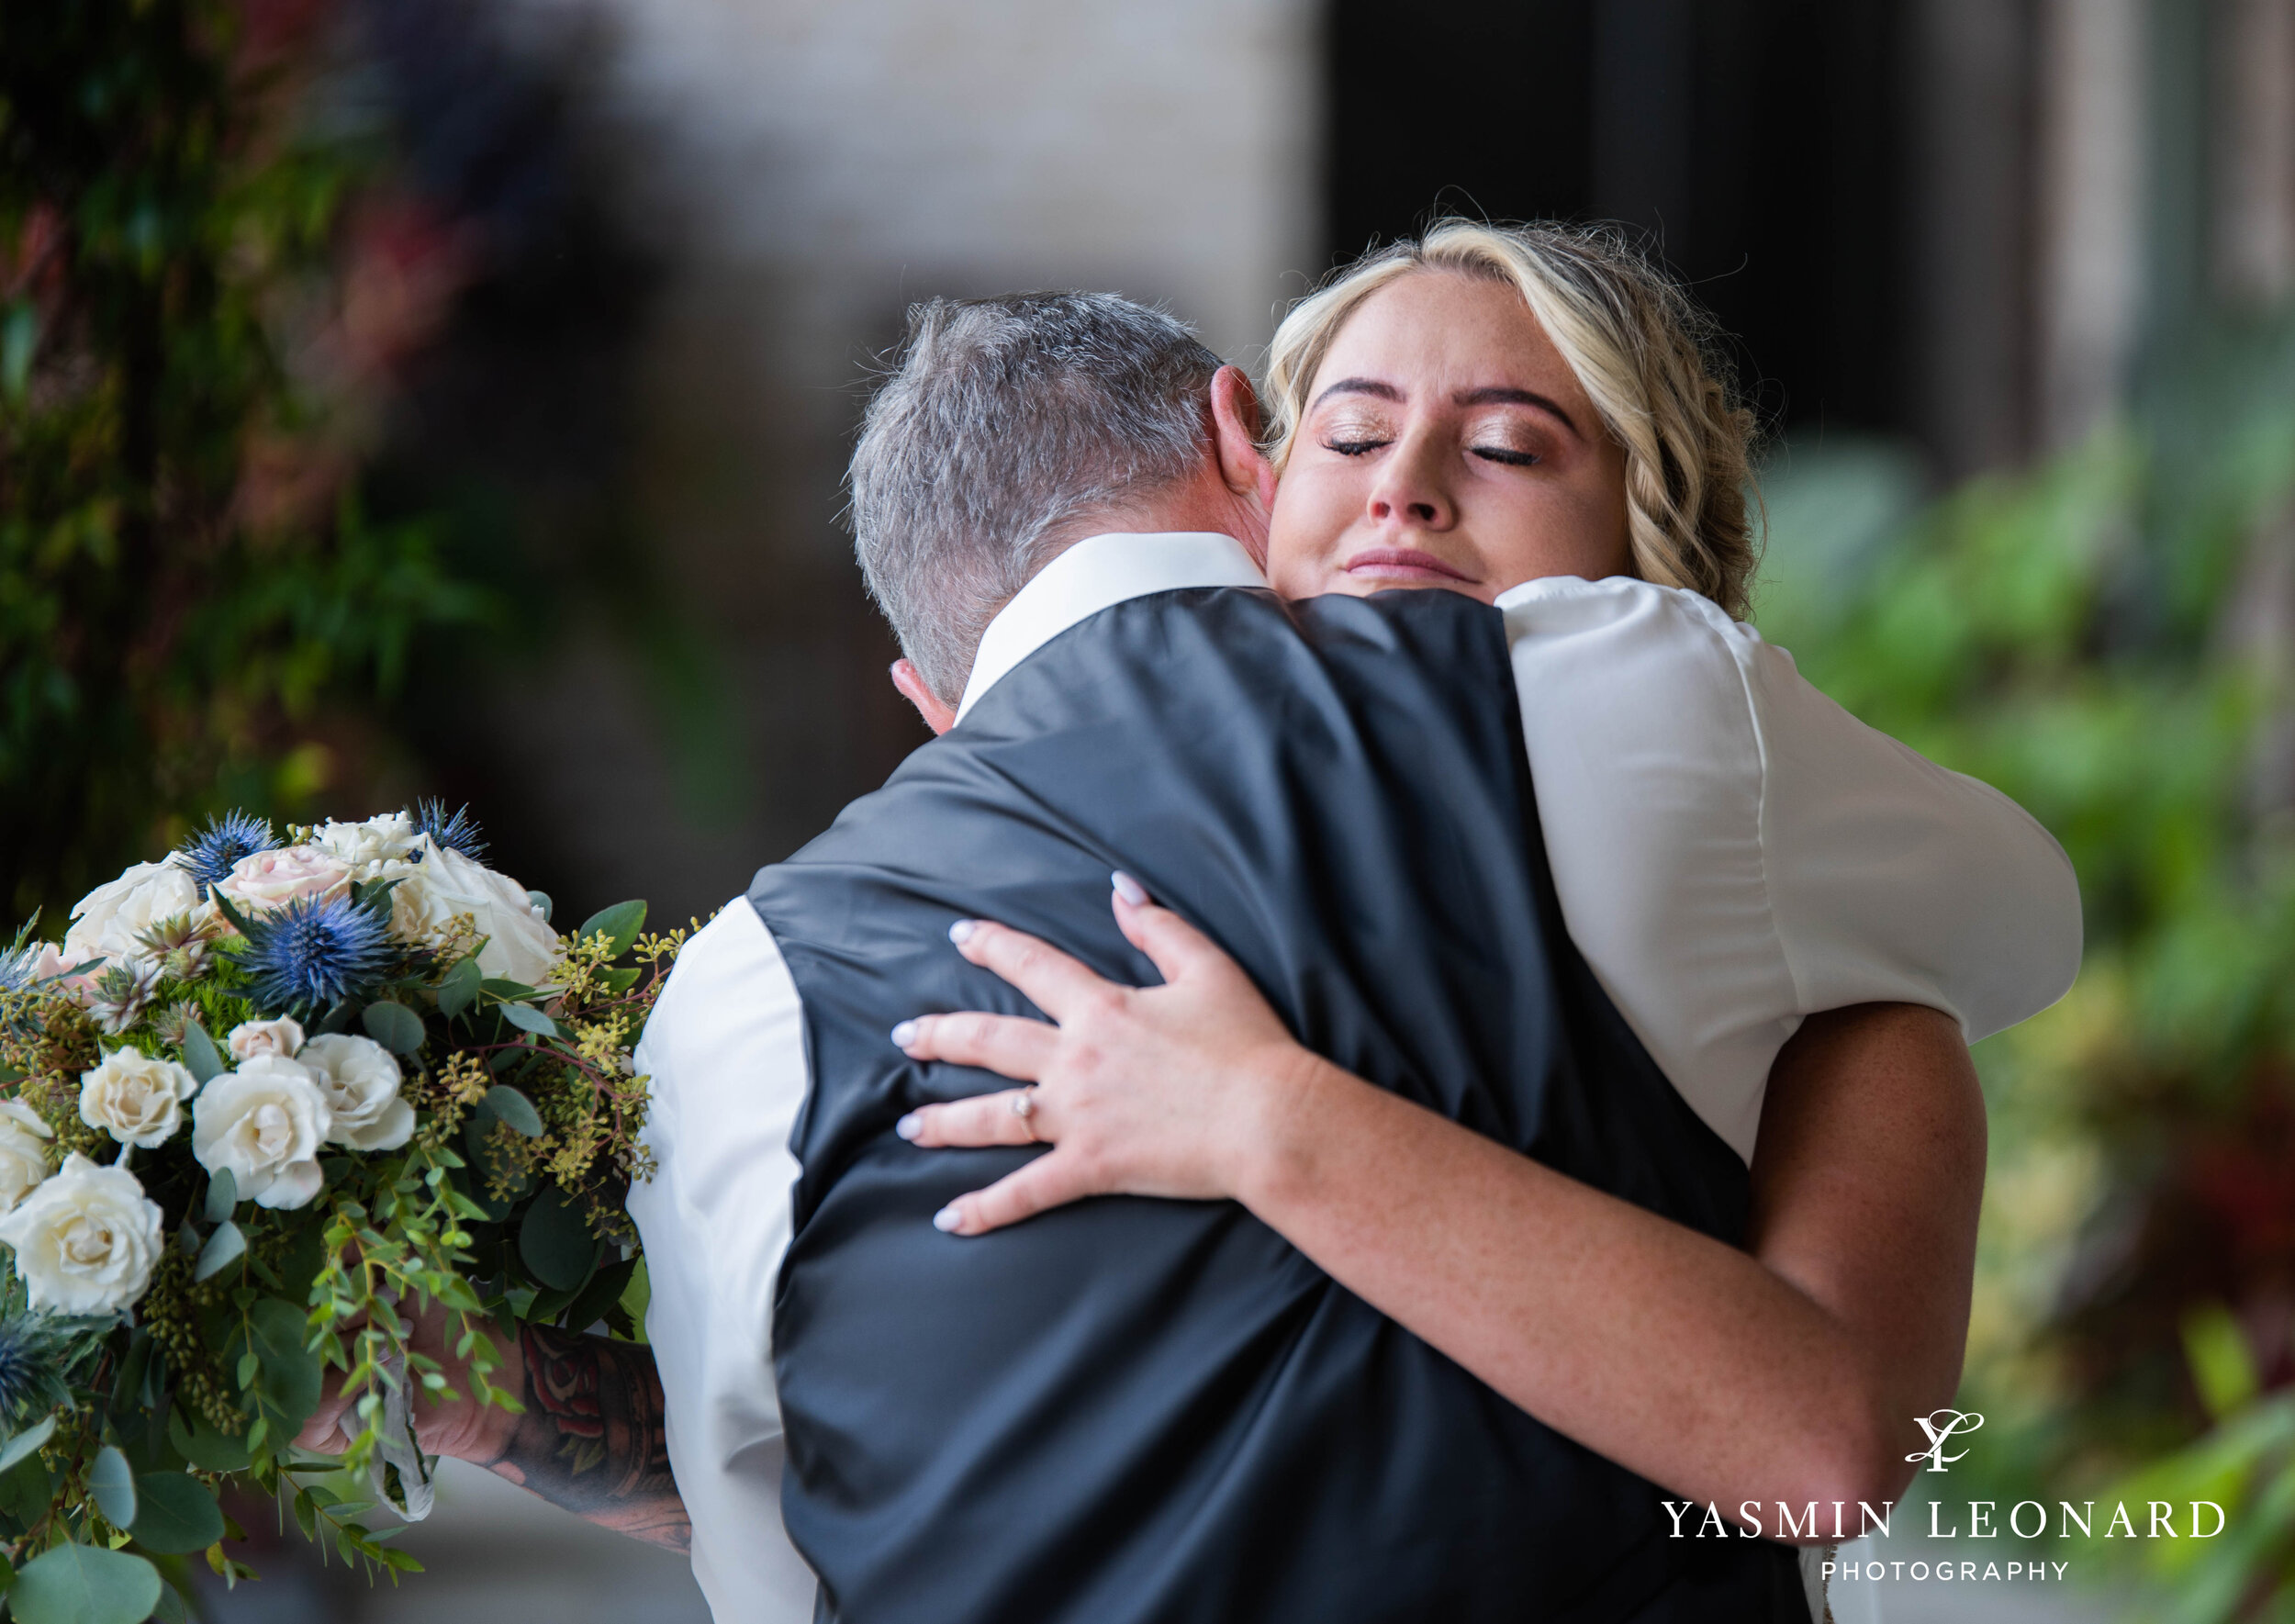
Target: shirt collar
x,y
1099,573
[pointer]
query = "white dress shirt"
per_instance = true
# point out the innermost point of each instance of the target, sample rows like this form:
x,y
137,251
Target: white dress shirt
x,y
1732,852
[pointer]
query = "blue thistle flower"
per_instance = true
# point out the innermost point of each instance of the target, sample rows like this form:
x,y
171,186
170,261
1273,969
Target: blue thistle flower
x,y
458,833
211,854
312,953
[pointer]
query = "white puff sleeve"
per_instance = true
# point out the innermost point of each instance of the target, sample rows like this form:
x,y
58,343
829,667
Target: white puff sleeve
x,y
1733,851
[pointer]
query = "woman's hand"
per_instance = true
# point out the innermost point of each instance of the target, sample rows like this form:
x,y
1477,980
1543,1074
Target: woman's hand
x,y
1182,1090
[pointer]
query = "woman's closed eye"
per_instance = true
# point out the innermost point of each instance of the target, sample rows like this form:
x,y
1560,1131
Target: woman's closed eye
x,y
1507,455
1355,445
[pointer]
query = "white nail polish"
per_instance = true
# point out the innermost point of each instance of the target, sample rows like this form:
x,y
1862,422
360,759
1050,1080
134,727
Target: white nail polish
x,y
909,1127
946,1219
1130,890
961,932
904,1035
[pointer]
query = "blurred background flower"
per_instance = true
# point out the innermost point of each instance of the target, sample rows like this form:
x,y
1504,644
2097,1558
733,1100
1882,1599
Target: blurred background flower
x,y
406,397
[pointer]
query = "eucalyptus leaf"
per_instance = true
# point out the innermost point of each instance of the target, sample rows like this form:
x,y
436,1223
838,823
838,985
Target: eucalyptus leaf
x,y
394,1025
201,1058
171,1608
176,1515
459,987
84,1584
205,1448
604,1290
514,1108
222,1195
619,924
540,899
502,987
286,1374
224,1247
112,1482
527,1018
26,1443
555,1243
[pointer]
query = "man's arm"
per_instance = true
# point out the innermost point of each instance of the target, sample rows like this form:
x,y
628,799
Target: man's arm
x,y
590,1439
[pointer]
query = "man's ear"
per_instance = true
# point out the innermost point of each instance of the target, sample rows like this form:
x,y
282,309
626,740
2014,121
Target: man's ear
x,y
1234,417
929,705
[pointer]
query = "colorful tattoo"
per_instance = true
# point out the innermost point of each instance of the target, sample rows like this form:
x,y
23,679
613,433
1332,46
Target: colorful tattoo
x,y
591,1438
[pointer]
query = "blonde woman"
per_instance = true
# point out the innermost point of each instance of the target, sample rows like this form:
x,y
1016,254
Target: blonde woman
x,y
1530,418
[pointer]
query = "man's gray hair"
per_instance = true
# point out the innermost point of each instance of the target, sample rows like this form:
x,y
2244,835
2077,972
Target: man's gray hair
x,y
1006,427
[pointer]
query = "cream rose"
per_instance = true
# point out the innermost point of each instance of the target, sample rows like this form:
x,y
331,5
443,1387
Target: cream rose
x,y
85,1239
135,1099
445,885
269,879
265,1122
368,850
280,1038
106,922
361,1078
23,1151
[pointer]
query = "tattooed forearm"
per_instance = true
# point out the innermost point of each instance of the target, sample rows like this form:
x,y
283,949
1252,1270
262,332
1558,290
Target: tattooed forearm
x,y
591,1438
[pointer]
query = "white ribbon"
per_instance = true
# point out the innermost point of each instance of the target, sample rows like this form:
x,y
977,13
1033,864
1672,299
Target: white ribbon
x,y
399,1449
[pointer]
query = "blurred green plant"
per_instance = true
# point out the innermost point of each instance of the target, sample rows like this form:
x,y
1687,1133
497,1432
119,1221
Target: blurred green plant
x,y
187,582
2108,638
2245,1464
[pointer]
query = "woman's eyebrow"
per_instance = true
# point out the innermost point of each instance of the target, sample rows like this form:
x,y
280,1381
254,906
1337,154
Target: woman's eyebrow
x,y
1501,396
1359,386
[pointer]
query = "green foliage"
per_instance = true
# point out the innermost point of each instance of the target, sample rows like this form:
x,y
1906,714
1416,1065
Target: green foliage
x,y
186,581
84,1585
2111,640
2246,1464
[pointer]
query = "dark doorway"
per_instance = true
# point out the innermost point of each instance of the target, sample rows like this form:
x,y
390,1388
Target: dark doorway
x,y
1759,144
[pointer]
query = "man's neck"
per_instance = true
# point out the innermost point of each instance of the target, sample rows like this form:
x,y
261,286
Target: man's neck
x,y
1202,505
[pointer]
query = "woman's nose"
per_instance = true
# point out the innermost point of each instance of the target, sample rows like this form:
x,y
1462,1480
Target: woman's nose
x,y
1409,491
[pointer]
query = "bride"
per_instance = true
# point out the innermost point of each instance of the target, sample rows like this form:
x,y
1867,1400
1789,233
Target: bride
x,y
1449,415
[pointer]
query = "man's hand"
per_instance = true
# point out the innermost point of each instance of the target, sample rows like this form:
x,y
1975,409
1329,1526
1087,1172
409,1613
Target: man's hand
x,y
460,1426
590,1437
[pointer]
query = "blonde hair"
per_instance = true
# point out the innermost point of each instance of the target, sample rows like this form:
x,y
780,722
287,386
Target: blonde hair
x,y
1644,355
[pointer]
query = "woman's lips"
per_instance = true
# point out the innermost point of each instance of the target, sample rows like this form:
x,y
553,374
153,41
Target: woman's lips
x,y
1403,564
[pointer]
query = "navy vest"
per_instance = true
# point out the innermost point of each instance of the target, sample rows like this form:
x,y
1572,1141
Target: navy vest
x,y
1129,1410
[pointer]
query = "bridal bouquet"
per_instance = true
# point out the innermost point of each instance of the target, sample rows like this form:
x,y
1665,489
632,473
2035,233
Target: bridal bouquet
x,y
263,1102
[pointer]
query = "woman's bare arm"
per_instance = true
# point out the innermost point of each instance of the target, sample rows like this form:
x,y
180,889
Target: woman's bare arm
x,y
1792,1371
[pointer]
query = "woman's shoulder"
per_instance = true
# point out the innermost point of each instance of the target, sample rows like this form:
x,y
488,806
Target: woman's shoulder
x,y
1574,603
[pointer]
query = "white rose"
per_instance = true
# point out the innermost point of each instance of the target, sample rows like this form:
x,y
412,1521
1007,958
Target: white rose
x,y
365,849
268,879
265,1122
359,1079
85,1239
445,885
280,1038
22,1156
109,919
135,1099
